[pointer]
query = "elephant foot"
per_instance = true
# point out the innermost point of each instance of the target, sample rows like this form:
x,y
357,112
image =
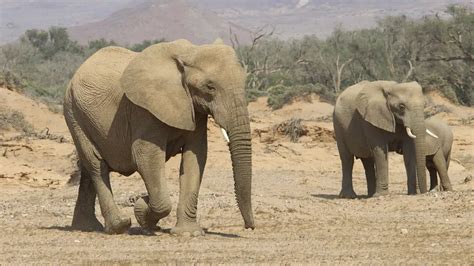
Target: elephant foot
x,y
192,229
150,231
370,194
86,224
347,194
447,189
380,193
118,226
146,218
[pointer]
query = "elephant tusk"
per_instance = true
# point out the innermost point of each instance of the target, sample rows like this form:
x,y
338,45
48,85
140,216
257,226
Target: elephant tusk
x,y
431,134
410,134
224,133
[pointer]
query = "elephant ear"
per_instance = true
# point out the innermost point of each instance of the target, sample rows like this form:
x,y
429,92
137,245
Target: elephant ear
x,y
372,105
153,80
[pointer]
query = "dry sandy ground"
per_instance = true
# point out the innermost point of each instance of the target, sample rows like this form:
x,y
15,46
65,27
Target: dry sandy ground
x,y
298,215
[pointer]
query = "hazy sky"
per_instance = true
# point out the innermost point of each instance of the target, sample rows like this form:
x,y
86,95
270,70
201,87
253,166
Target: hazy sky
x,y
16,16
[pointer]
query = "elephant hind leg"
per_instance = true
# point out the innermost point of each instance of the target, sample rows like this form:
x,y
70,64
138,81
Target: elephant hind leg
x,y
433,177
347,161
369,168
442,169
96,172
84,218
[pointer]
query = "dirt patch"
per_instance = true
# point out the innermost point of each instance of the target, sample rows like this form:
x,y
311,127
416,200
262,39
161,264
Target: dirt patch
x,y
298,216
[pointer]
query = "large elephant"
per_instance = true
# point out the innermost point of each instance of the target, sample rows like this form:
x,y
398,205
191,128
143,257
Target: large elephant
x,y
439,142
132,111
370,115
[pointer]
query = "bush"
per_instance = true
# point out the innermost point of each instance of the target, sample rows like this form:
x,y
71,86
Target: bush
x,y
436,109
435,51
42,63
16,120
253,94
280,95
141,46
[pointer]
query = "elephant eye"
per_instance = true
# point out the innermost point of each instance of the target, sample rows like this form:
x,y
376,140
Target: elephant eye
x,y
210,87
402,107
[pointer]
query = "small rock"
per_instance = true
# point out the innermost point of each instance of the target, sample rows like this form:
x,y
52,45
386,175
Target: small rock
x,y
77,241
404,231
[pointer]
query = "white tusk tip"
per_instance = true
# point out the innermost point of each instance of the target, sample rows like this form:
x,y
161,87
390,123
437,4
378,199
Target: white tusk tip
x,y
410,134
224,133
431,134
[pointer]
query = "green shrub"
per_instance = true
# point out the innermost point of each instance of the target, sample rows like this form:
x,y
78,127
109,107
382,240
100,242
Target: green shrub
x,y
42,63
280,95
141,46
15,120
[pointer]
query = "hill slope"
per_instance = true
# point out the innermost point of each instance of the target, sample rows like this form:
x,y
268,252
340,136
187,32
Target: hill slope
x,y
201,21
169,19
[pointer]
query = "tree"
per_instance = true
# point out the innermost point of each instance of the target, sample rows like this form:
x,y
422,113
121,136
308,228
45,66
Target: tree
x,y
144,44
98,44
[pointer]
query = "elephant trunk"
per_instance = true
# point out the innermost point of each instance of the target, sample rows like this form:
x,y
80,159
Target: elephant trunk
x,y
240,147
418,129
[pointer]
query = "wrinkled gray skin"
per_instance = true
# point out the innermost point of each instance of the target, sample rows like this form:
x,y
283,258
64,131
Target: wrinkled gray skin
x,y
132,111
438,154
367,117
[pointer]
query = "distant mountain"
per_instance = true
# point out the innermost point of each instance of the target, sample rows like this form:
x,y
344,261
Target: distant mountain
x,y
155,19
201,21
296,18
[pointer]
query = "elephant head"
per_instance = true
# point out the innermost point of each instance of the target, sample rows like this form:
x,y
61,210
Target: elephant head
x,y
174,80
388,105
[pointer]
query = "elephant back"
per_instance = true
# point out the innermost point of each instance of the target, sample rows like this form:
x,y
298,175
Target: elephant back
x,y
95,89
101,73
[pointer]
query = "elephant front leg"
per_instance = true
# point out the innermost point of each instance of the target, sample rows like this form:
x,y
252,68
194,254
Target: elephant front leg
x,y
187,207
380,153
409,160
191,171
150,159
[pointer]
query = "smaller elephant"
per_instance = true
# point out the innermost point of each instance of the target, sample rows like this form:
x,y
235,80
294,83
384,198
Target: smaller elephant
x,y
439,141
367,117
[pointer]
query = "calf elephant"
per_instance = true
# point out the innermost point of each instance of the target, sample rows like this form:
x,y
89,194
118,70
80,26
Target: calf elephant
x,y
132,111
439,141
370,115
